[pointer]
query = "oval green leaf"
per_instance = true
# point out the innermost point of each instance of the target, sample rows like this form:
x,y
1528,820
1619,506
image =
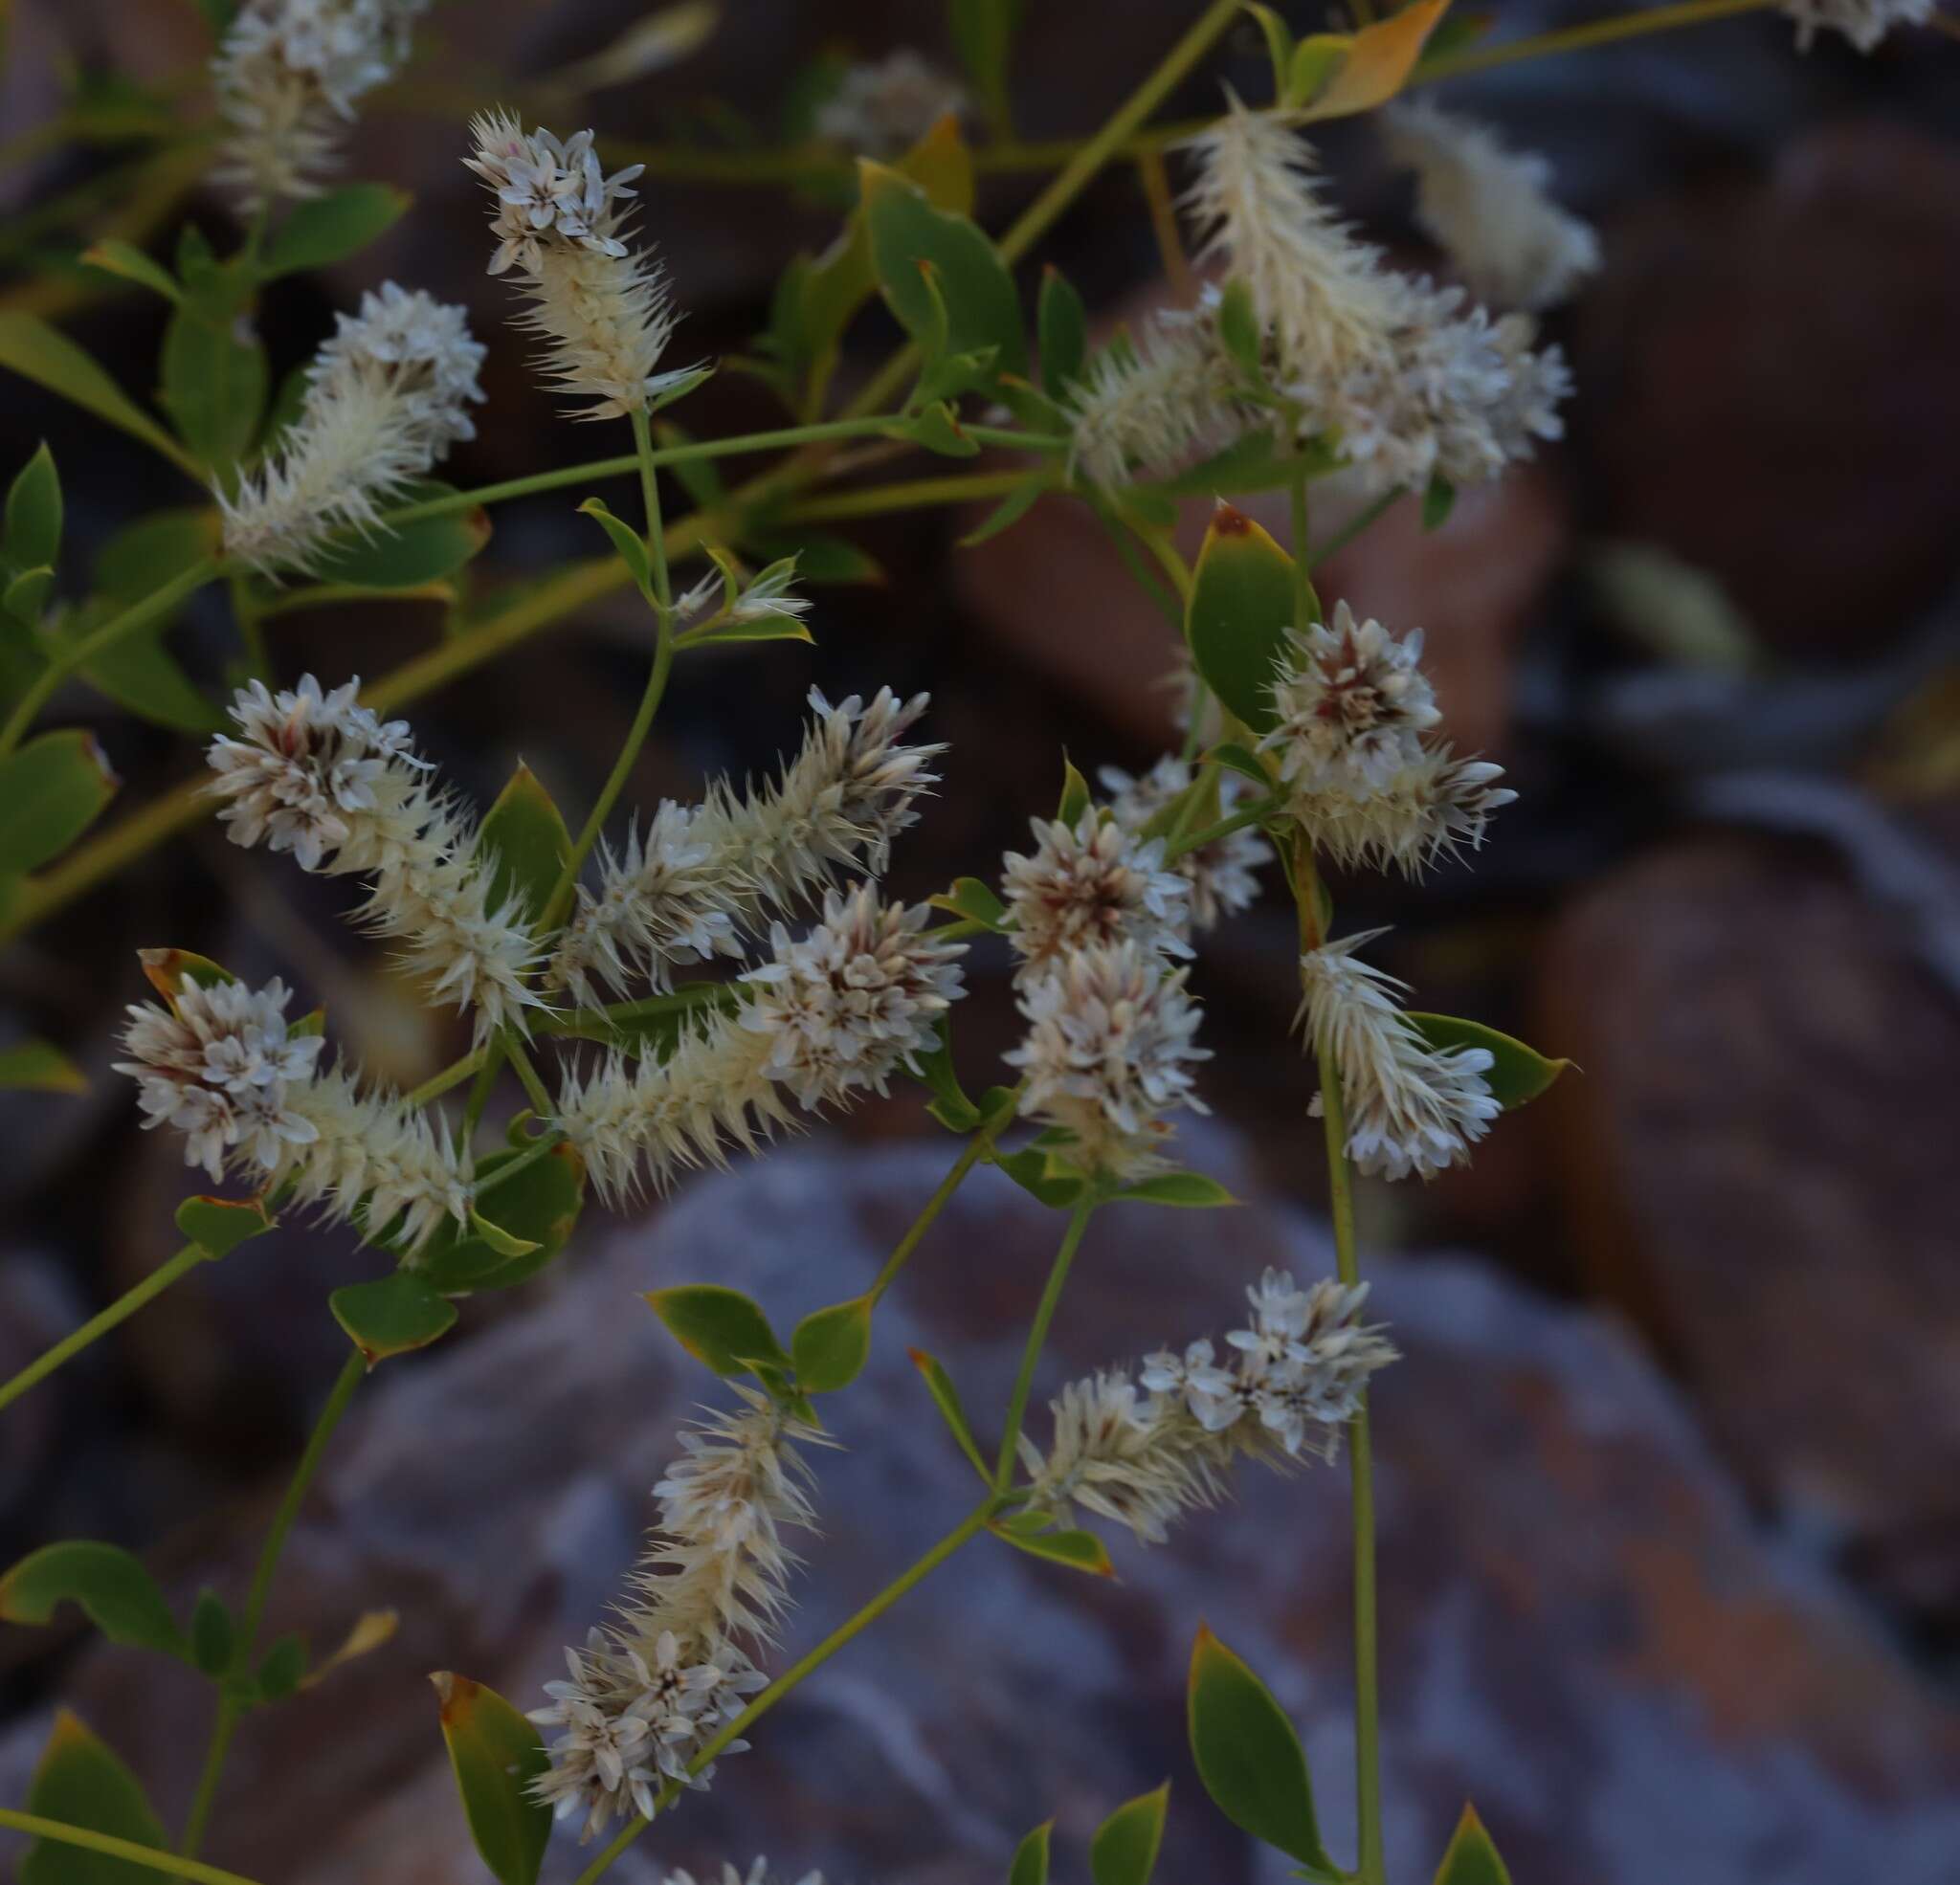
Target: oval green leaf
x,y
1124,1848
109,1585
718,1326
82,1781
1248,1755
214,382
218,1226
1029,1864
1191,1190
946,1397
1080,1551
51,791
392,1317
33,514
974,901
213,1633
1518,1072
1062,325
328,228
405,556
1242,605
524,835
496,1755
830,1345
40,1067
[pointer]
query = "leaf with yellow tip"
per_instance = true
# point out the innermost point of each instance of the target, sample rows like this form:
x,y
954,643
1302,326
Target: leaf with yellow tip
x,y
80,1782
1379,60
1471,1859
40,1067
496,1755
1242,605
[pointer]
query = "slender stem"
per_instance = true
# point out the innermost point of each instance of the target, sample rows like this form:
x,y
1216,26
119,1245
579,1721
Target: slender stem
x,y
692,452
1163,207
560,900
1579,39
353,1371
488,1067
251,620
121,1309
1303,550
910,494
1037,1336
452,1076
1248,815
154,1857
527,1079
1362,521
977,1149
540,1147
159,602
970,1527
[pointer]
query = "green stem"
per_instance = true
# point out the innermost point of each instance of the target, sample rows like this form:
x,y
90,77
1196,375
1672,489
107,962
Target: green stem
x,y
540,1147
907,495
1076,175
1368,1785
452,1076
85,651
560,900
1246,814
353,1371
978,1146
121,1309
1302,549
488,1067
1579,39
527,1078
970,1527
151,1856
692,452
1038,1337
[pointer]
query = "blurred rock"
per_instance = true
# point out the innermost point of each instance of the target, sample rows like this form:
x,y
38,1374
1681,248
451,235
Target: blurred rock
x,y
1581,1630
1758,1174
1765,368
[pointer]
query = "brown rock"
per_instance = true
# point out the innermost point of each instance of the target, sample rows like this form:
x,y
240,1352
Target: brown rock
x,y
1580,1629
1766,371
1761,1173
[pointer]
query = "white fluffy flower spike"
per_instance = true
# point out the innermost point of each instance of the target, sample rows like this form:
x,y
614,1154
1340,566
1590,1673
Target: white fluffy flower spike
x,y
1352,704
1490,209
288,74
318,774
1091,883
386,398
1410,1108
1865,23
601,307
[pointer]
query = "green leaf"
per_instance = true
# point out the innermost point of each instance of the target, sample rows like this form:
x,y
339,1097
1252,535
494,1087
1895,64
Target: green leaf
x,y
282,1667
504,1243
1061,327
143,677
950,1104
1517,1074
1244,762
1192,1190
1080,1551
946,1397
41,353
52,790
80,1782
109,1584
1042,1177
167,970
975,902
628,541
984,31
1248,1755
538,1207
982,305
392,1317
1029,1864
328,228
1242,605
496,1756
830,1345
1124,1848
1317,61
37,1067
937,428
1439,499
33,514
214,382
113,256
213,1633
1075,795
27,595
1471,1858
720,1326
1238,327
145,555
525,837
1010,511
405,556
764,628
1377,61
218,1226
